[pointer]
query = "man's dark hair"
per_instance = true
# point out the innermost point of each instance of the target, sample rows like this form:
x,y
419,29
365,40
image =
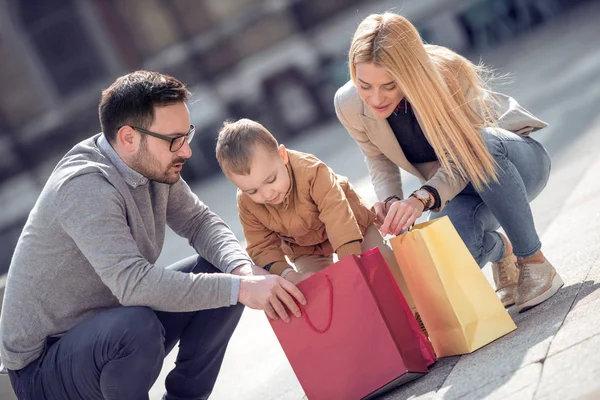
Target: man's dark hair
x,y
131,99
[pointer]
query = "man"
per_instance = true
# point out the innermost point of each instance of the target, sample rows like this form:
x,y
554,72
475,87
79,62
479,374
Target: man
x,y
86,313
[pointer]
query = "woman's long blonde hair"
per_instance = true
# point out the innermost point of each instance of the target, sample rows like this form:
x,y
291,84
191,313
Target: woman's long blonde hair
x,y
430,78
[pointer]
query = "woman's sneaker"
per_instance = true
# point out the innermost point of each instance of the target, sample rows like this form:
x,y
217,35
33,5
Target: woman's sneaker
x,y
537,283
506,276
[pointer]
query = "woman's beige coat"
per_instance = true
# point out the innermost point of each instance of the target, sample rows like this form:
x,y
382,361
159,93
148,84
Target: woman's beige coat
x,y
383,154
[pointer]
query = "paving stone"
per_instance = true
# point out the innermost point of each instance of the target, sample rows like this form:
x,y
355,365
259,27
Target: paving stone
x,y
497,361
581,324
282,382
592,395
524,394
426,386
572,373
520,385
589,289
573,265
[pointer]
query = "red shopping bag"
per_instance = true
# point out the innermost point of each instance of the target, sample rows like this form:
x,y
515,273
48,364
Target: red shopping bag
x,y
394,307
351,343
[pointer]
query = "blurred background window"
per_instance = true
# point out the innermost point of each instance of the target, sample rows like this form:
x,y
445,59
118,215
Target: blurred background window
x,y
192,16
222,10
20,100
150,24
265,31
218,57
311,12
56,31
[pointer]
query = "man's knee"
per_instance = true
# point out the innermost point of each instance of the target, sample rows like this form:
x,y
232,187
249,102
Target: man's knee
x,y
234,314
139,328
204,267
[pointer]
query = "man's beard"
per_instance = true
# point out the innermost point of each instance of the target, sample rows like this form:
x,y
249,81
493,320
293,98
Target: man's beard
x,y
147,165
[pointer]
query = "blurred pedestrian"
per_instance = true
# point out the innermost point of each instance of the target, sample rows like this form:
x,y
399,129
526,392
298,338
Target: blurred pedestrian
x,y
87,314
427,110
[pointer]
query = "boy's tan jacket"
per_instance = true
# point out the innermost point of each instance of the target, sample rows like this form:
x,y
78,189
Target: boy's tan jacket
x,y
383,154
320,214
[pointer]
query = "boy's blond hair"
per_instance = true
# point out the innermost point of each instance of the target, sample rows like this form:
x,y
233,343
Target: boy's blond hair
x,y
235,145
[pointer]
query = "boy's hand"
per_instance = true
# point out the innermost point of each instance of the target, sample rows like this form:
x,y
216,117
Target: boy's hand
x,y
295,277
271,293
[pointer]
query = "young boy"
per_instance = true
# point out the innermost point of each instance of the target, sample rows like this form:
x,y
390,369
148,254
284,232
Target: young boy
x,y
292,204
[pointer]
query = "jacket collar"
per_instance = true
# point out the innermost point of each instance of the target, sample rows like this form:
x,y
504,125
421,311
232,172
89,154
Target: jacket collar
x,y
287,200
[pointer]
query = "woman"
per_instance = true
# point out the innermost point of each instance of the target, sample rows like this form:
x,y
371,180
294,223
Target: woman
x,y
427,110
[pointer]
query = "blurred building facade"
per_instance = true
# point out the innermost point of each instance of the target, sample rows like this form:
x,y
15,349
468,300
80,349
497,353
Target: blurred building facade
x,y
277,61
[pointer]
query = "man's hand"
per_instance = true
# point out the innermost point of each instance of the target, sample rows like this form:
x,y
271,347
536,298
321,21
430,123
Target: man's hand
x,y
249,270
401,215
271,293
295,277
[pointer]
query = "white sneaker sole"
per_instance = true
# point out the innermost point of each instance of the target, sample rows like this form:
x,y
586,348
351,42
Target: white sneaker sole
x,y
508,304
505,303
557,283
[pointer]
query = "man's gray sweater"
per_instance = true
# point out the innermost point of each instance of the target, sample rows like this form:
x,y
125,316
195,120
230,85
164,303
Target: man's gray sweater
x,y
90,244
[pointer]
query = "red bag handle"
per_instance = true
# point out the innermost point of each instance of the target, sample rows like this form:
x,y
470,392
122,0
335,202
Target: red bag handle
x,y
307,319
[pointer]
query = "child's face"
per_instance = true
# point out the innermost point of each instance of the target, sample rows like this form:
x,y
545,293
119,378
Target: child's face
x,y
268,181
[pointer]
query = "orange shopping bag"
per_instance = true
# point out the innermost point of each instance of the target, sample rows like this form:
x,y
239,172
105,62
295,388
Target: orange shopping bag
x,y
459,308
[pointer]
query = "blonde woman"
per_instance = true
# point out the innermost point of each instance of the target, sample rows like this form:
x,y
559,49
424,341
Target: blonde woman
x,y
427,110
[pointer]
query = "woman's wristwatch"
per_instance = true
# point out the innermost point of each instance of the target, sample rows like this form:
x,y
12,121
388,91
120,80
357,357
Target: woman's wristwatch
x,y
425,197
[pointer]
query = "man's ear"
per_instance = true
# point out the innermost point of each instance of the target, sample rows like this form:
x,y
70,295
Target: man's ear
x,y
128,139
283,153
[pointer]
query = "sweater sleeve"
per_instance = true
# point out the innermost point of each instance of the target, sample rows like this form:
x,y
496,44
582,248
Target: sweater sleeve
x,y
93,214
262,244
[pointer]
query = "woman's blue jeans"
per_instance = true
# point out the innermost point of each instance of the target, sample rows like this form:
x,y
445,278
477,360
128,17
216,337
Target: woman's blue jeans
x,y
523,170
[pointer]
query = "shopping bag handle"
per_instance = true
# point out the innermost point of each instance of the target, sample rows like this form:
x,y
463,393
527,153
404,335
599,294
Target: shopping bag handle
x,y
306,317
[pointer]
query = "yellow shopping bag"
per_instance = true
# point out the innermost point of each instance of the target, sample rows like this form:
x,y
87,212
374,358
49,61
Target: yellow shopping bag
x,y
459,308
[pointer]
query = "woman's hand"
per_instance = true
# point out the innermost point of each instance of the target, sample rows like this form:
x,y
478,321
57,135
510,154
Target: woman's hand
x,y
400,216
380,212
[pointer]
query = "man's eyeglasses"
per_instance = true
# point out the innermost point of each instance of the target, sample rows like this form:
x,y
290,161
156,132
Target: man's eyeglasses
x,y
175,142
